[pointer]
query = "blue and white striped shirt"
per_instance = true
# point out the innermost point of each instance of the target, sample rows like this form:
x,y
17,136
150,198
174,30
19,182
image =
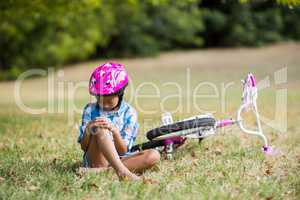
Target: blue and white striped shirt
x,y
125,119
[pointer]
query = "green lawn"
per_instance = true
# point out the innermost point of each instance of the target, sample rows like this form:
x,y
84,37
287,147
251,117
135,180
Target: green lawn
x,y
39,154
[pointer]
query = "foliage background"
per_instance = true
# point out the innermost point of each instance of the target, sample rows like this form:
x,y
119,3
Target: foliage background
x,y
43,33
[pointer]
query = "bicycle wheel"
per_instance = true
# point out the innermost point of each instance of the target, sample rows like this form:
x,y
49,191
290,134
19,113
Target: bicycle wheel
x,y
181,126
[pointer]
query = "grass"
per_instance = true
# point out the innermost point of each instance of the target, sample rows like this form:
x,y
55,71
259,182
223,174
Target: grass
x,y
39,154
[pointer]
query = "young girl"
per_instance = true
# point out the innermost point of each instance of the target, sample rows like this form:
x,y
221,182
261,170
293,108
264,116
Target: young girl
x,y
109,126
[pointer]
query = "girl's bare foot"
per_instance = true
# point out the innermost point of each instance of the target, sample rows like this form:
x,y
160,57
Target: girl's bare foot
x,y
128,176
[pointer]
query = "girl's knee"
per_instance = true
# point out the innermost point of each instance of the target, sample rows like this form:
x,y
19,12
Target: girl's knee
x,y
100,131
152,157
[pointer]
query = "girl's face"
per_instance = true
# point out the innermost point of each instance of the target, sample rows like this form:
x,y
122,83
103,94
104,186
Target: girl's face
x,y
108,103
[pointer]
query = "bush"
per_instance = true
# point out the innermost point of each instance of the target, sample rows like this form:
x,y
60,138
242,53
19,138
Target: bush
x,y
46,33
149,26
43,33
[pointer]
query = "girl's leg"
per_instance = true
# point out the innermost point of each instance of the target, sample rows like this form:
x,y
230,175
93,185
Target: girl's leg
x,y
101,148
95,157
141,161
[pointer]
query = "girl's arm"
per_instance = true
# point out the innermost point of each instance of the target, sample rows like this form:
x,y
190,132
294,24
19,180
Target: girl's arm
x,y
86,137
84,134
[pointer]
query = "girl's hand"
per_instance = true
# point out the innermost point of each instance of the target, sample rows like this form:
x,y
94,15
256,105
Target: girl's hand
x,y
102,122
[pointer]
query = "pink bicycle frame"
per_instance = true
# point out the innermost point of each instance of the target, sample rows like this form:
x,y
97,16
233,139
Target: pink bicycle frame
x,y
248,102
249,98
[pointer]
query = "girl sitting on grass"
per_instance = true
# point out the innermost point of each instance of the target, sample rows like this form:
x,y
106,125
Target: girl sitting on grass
x,y
109,126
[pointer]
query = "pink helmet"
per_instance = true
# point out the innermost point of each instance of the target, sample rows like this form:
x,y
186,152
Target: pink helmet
x,y
107,79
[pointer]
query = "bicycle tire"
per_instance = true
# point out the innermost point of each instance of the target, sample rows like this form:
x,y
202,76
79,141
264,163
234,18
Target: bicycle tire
x,y
180,126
